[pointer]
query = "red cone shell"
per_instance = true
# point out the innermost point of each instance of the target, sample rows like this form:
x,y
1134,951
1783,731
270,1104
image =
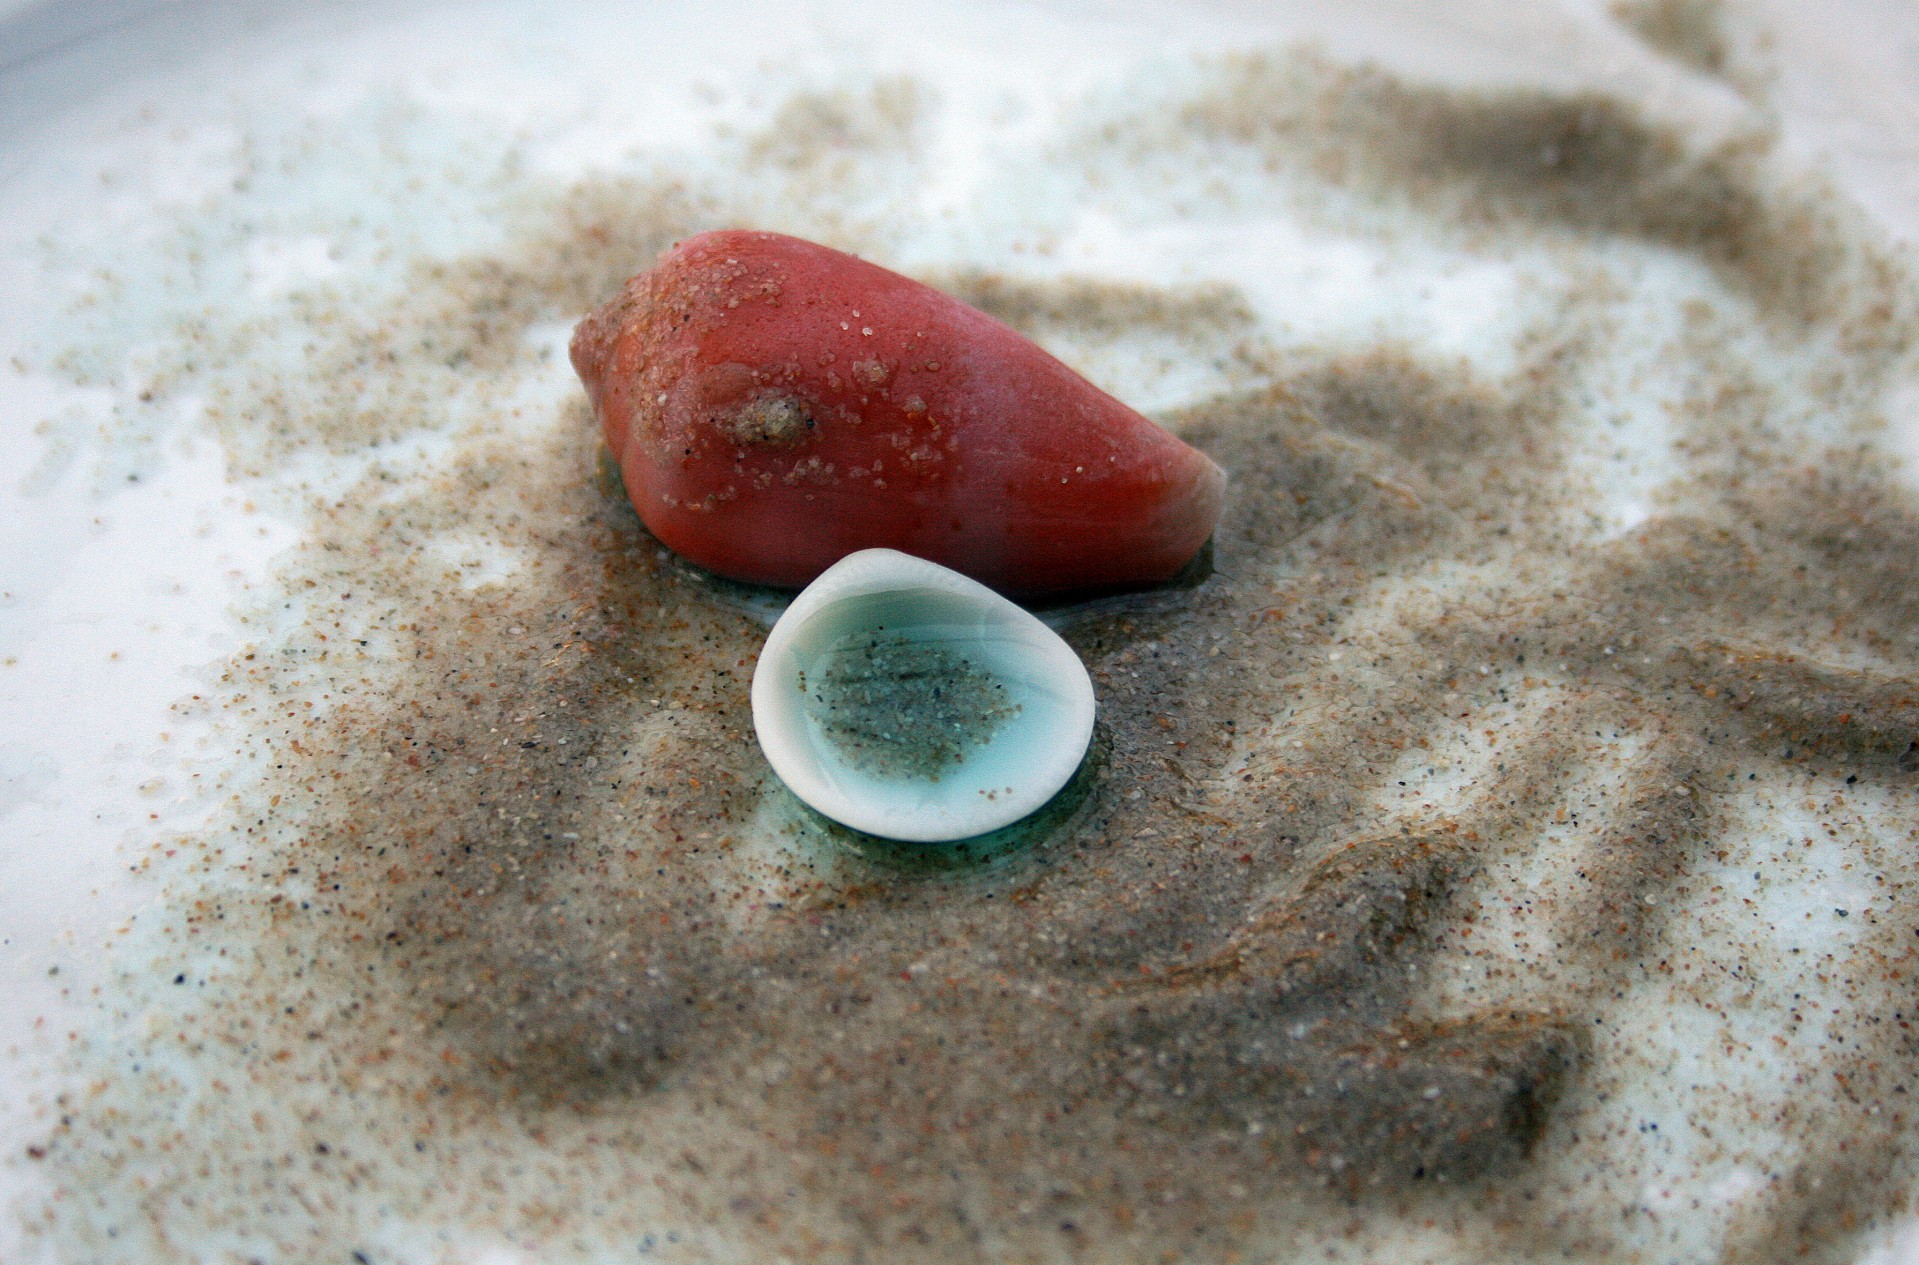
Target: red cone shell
x,y
776,405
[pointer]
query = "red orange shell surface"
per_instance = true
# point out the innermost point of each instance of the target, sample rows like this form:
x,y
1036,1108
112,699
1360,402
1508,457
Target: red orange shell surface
x,y
775,405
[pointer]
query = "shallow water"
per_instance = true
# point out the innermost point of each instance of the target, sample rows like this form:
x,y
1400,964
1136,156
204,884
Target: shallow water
x,y
1503,854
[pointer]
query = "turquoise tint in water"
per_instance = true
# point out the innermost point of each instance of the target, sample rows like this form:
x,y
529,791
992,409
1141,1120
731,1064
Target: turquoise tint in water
x,y
895,706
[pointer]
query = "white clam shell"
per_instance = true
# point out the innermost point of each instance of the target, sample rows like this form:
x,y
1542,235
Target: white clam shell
x,y
1038,734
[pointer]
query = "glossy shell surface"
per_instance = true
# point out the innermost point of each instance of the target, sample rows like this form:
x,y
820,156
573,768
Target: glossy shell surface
x,y
903,699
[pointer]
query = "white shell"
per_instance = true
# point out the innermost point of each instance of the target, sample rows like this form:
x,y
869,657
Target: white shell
x,y
1042,732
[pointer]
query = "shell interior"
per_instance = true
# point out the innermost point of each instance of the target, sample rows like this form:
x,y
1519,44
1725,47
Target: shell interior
x,y
904,700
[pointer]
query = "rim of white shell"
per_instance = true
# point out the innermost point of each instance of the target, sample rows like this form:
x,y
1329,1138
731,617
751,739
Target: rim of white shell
x,y
1006,777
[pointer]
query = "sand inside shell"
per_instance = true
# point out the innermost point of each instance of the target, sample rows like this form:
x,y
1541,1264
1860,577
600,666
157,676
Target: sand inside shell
x,y
895,706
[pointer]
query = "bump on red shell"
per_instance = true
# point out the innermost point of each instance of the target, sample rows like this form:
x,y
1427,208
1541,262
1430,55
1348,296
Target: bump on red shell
x,y
775,405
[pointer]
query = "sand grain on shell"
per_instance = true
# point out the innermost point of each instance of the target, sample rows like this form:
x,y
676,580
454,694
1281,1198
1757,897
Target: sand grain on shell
x,y
897,707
